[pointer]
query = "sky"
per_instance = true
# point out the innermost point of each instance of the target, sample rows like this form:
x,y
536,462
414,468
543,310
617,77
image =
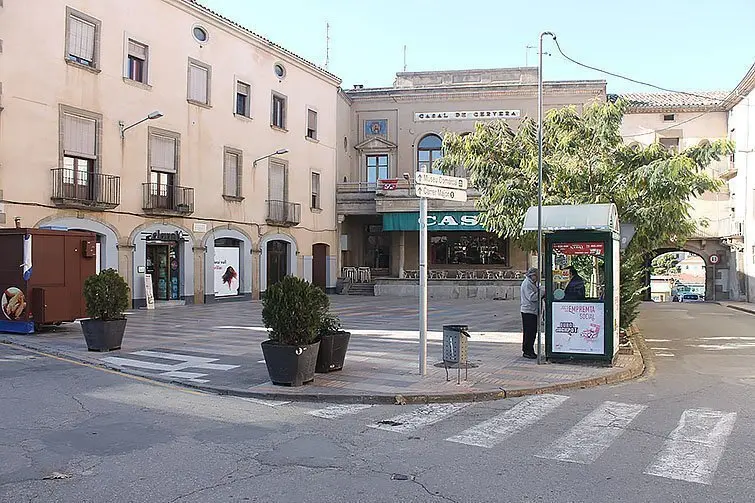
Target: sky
x,y
678,44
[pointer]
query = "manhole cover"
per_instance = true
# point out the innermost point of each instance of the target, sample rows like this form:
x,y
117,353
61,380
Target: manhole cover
x,y
471,365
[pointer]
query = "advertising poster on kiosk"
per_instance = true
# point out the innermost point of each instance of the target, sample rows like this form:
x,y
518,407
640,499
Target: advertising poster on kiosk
x,y
226,271
578,327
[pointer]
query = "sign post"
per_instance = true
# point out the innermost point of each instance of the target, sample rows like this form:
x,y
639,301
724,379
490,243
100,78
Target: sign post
x,y
149,293
431,186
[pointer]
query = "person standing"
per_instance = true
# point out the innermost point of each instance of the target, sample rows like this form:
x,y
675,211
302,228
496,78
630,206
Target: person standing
x,y
575,289
530,304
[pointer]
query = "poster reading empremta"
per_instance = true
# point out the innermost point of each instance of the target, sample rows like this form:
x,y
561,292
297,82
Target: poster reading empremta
x,y
578,328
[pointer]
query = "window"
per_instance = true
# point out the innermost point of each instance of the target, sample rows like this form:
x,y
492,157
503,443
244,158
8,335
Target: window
x,y
377,168
428,152
79,153
232,166
200,34
137,62
670,143
280,70
279,111
82,39
478,248
163,161
199,83
669,118
316,191
277,189
311,124
243,99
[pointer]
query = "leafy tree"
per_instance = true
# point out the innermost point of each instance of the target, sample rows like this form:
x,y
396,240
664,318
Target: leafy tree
x,y
665,264
585,161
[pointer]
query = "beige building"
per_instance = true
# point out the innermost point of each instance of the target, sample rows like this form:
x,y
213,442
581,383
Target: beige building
x,y
180,195
391,133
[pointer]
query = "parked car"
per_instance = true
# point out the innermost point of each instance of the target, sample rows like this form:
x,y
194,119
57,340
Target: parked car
x,y
692,297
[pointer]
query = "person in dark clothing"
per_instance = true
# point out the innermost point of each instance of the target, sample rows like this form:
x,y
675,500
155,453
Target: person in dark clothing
x,y
575,289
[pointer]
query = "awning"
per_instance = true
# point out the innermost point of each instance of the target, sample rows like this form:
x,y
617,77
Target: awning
x,y
437,221
571,217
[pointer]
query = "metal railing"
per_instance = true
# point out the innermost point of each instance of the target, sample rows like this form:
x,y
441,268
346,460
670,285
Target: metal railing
x,y
283,212
356,187
160,198
82,189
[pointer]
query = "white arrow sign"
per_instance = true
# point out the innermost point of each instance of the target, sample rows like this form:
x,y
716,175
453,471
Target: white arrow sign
x,y
440,193
450,182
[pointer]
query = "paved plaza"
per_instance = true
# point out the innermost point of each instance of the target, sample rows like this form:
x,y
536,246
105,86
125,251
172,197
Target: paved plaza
x,y
217,347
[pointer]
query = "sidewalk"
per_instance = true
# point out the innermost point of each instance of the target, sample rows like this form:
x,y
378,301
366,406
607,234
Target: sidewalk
x,y
747,307
216,348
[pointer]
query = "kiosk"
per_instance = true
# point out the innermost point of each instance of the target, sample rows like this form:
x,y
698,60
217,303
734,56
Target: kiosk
x,y
581,266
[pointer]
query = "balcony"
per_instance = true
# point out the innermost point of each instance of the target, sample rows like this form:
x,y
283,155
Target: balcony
x,y
83,190
159,199
283,213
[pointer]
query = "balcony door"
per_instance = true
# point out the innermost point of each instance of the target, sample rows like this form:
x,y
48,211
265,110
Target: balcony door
x,y
277,191
277,261
161,190
163,168
78,178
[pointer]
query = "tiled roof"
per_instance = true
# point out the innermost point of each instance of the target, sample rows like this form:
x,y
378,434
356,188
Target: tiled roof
x,y
262,39
697,100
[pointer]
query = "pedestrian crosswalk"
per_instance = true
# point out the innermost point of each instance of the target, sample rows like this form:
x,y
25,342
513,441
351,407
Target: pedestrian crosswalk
x,y
690,452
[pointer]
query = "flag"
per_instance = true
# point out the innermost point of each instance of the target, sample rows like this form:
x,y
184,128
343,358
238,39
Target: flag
x,y
27,257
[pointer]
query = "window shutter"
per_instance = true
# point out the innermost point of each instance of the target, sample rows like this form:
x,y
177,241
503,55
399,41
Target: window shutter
x,y
79,136
316,190
311,119
277,182
137,50
242,88
162,155
231,178
198,77
81,39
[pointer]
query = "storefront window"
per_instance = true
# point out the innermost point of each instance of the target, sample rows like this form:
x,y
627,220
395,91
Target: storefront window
x,y
578,271
479,248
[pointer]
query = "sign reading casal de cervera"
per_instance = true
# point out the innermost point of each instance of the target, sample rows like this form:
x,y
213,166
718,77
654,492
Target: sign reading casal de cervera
x,y
465,115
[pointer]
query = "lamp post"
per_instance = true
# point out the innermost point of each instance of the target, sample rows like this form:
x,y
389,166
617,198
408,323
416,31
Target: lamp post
x,y
154,115
280,151
540,192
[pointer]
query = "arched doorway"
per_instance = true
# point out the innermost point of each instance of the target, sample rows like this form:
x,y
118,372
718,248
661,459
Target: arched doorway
x,y
277,261
320,265
678,275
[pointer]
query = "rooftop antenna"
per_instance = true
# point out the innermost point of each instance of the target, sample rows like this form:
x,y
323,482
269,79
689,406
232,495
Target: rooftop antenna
x,y
405,57
327,45
527,53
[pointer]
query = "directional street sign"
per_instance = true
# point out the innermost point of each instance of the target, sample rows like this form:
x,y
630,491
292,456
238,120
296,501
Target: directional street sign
x,y
449,182
440,193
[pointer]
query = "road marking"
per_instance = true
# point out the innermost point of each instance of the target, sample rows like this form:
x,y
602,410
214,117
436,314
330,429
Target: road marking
x,y
188,361
590,437
336,411
128,362
497,429
420,417
692,451
657,340
189,376
269,403
664,354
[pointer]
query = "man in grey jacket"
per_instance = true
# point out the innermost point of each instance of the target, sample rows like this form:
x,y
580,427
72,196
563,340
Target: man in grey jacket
x,y
530,304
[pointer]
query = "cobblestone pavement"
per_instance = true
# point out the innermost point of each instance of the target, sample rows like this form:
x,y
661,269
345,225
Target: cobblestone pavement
x,y
217,346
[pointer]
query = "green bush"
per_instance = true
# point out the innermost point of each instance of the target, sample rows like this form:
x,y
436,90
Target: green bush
x,y
107,295
293,309
330,324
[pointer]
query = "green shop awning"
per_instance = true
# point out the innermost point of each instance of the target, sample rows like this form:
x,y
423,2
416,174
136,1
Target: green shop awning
x,y
438,221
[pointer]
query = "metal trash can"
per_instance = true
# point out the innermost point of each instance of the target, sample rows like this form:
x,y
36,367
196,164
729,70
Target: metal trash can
x,y
455,349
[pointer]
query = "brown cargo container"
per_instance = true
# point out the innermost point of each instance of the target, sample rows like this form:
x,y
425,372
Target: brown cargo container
x,y
48,288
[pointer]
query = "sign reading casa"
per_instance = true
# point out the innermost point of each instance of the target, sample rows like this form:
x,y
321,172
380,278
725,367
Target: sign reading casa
x,y
437,221
465,115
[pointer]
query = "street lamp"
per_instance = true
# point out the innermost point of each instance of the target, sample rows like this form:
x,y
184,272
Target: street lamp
x,y
154,115
540,191
280,151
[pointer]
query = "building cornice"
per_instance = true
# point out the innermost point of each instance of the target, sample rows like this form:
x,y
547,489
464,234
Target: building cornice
x,y
194,7
741,90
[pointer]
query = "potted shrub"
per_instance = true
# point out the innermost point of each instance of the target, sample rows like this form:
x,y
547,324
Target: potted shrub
x,y
333,345
293,310
107,297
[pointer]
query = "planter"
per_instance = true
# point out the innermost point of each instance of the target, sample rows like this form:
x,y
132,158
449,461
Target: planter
x,y
332,351
290,365
103,335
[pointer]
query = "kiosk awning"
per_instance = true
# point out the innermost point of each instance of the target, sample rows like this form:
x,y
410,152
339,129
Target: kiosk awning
x,y
569,217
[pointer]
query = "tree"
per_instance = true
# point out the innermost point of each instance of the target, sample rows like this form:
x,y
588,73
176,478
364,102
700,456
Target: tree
x,y
665,264
585,161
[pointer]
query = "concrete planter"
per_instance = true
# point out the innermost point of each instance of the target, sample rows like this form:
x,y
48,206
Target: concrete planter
x,y
103,335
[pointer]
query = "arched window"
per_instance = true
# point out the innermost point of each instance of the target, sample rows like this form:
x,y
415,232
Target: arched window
x,y
428,152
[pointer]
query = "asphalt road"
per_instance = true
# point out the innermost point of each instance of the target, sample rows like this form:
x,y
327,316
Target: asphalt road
x,y
71,433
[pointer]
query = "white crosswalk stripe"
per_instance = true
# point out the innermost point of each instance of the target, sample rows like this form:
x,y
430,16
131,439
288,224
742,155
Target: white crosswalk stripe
x,y
589,438
420,417
336,411
497,429
692,451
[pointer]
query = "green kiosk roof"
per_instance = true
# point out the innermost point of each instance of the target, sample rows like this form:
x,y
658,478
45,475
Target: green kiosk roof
x,y
573,217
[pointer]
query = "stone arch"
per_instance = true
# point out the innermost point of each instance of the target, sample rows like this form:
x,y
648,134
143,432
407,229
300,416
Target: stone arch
x,y
293,251
245,259
138,239
108,234
715,289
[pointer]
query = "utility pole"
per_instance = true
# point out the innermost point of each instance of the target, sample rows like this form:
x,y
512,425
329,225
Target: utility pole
x,y
527,53
404,57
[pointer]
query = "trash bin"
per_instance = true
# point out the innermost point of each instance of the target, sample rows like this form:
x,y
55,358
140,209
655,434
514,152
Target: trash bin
x,y
455,349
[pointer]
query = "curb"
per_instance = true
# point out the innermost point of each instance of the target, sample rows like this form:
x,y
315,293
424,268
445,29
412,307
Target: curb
x,y
739,308
635,369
